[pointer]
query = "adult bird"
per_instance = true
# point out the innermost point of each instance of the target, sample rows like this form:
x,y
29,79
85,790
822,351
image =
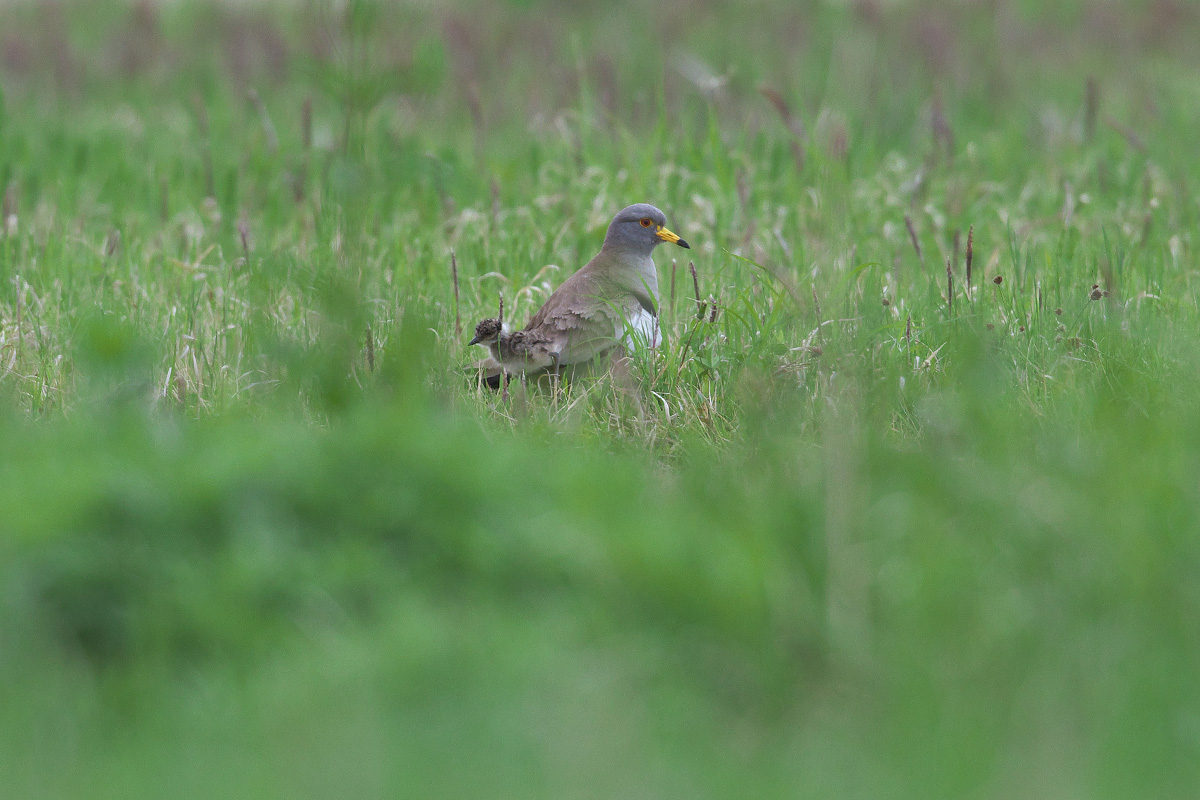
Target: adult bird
x,y
612,300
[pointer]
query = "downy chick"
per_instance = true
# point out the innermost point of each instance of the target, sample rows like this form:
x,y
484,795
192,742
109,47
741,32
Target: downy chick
x,y
516,351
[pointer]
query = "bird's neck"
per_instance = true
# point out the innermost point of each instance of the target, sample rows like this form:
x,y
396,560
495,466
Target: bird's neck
x,y
633,269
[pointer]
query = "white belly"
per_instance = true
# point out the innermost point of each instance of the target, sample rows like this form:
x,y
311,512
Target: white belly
x,y
641,330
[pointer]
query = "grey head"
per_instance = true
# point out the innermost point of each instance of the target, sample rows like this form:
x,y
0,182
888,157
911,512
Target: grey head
x,y
487,332
638,229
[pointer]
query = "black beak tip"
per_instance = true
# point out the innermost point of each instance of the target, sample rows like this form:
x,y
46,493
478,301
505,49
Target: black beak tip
x,y
475,340
684,244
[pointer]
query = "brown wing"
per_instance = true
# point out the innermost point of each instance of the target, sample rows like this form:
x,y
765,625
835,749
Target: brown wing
x,y
576,320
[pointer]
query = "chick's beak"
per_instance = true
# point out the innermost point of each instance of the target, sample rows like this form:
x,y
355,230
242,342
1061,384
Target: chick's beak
x,y
667,236
474,340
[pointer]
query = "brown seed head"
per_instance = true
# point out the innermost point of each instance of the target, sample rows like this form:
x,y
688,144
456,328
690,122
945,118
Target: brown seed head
x,y
970,252
912,235
1096,294
999,279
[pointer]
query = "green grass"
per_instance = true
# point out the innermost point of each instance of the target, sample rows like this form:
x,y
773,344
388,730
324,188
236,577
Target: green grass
x,y
260,536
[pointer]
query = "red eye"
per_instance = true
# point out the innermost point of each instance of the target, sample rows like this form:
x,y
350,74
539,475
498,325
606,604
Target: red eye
x,y
646,222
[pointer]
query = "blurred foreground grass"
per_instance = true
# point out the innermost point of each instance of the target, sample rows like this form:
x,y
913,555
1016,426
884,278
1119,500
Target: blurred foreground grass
x,y
403,603
867,530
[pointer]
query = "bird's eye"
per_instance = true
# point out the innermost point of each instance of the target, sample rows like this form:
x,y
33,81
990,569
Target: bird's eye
x,y
646,222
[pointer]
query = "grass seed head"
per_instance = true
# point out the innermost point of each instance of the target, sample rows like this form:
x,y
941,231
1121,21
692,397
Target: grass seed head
x,y
970,251
950,284
912,236
700,305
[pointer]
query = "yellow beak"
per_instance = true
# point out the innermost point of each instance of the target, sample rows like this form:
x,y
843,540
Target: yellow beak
x,y
667,236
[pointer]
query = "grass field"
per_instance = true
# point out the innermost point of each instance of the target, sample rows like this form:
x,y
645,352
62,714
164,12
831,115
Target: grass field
x,y
907,505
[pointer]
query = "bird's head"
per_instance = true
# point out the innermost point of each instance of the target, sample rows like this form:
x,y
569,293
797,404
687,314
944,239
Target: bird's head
x,y
487,332
640,227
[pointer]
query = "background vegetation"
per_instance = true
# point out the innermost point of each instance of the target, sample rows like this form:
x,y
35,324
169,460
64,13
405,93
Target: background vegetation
x,y
876,523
